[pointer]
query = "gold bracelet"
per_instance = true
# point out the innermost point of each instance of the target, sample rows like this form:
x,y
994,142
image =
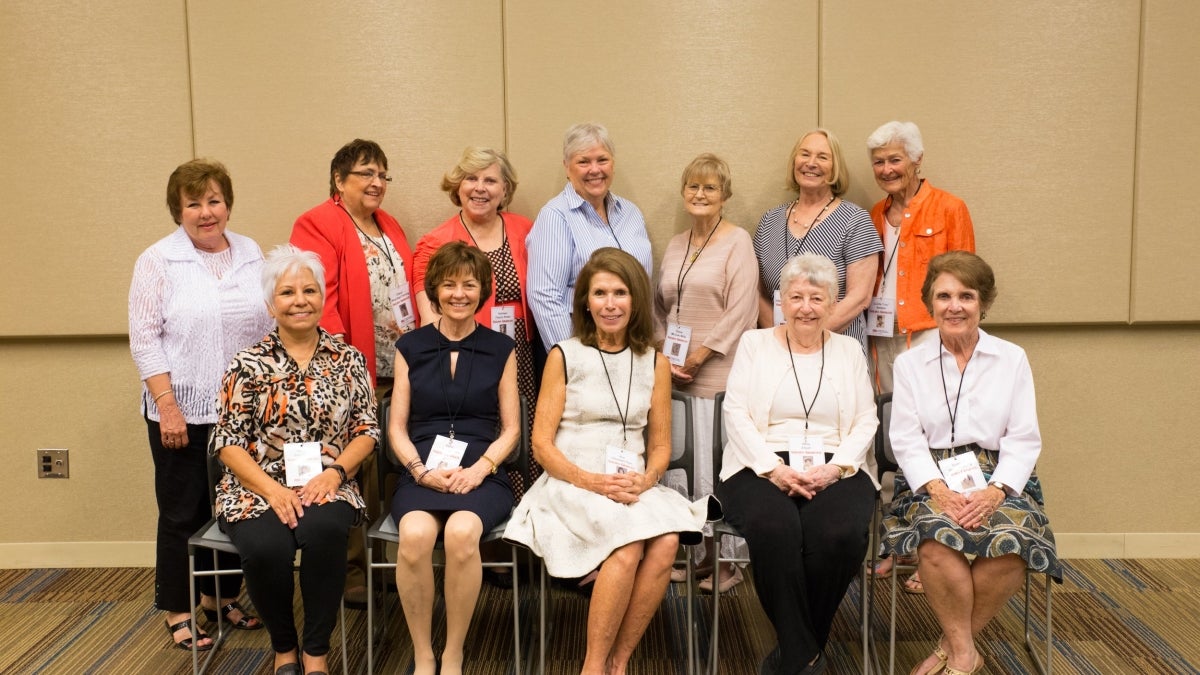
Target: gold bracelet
x,y
489,461
161,394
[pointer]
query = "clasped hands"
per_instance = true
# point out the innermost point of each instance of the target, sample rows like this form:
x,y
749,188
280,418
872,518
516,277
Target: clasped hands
x,y
622,488
458,480
804,483
289,503
969,511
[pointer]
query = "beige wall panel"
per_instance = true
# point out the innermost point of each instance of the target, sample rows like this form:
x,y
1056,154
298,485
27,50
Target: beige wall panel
x,y
1113,404
669,82
81,395
1028,113
94,102
1166,236
280,86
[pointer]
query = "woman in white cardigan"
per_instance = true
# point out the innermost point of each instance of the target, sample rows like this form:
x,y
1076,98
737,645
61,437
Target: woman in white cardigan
x,y
798,478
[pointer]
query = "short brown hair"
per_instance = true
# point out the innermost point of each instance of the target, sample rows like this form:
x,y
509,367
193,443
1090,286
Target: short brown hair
x,y
839,178
706,165
351,154
191,179
452,259
970,270
639,334
473,161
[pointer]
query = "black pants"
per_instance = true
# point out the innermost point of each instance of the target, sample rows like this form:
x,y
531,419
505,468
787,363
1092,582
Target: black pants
x,y
181,488
268,547
804,553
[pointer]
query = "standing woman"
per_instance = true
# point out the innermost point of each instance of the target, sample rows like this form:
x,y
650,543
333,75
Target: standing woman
x,y
457,380
368,291
482,185
819,221
195,301
704,301
585,216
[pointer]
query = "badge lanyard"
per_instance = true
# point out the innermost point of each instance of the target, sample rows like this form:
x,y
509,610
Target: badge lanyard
x,y
503,231
383,247
807,408
623,414
686,265
946,391
453,415
787,231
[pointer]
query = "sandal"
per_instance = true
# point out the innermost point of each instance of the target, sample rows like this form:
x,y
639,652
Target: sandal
x,y
735,578
186,643
948,670
247,622
913,585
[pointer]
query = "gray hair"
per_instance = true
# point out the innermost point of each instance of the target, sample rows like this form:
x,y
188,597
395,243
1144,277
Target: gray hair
x,y
285,258
814,268
905,133
582,136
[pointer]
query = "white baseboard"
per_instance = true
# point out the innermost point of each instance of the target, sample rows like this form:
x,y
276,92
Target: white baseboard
x,y
141,553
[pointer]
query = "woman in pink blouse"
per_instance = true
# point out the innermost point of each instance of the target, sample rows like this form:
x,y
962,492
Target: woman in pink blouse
x,y
704,301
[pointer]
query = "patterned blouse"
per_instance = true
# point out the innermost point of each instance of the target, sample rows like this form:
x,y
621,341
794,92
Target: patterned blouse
x,y
266,401
385,269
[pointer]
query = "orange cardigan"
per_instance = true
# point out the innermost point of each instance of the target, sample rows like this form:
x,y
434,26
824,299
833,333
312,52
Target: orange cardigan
x,y
515,229
328,231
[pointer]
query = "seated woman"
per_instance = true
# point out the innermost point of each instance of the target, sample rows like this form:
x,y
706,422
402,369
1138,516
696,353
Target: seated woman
x,y
798,475
456,385
298,404
969,396
599,504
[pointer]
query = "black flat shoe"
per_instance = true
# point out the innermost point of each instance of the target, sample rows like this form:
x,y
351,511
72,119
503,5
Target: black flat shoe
x,y
816,667
186,643
289,669
247,622
497,579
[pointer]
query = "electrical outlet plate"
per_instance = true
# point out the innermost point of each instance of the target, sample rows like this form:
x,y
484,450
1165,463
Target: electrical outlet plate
x,y
53,463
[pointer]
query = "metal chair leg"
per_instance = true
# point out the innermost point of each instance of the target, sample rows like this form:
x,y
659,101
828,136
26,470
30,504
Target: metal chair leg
x,y
1043,666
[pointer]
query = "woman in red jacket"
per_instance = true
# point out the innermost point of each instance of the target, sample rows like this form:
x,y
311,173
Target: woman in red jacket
x,y
368,287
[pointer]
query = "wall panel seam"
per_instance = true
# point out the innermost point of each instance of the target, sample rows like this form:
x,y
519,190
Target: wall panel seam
x,y
1136,173
187,50
504,70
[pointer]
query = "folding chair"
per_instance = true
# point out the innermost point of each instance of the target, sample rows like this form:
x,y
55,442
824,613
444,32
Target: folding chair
x,y
887,464
384,530
212,538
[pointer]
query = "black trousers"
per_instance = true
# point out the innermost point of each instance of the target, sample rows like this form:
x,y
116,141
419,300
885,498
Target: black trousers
x,y
804,553
181,488
268,549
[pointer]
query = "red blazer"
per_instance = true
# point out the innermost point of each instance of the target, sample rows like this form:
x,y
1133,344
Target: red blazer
x,y
328,231
515,229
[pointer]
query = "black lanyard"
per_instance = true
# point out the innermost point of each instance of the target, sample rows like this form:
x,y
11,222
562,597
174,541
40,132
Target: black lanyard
x,y
888,265
503,231
383,247
683,272
807,408
945,391
445,375
787,230
624,415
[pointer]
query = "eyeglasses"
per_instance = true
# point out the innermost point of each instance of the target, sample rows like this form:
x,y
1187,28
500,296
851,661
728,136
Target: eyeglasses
x,y
696,188
370,176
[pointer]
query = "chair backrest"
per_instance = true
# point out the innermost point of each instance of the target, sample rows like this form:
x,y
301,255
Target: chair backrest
x,y
718,434
883,458
683,450
215,468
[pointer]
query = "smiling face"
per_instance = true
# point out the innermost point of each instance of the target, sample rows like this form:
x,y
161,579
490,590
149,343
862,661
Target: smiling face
x,y
894,171
703,197
609,303
297,302
590,172
956,308
806,307
363,196
204,218
812,167
458,296
482,193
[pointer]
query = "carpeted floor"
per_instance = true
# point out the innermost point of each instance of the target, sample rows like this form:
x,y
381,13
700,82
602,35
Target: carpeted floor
x,y
1111,616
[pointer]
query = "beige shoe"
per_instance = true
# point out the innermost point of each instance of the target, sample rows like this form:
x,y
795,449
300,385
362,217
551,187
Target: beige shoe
x,y
727,583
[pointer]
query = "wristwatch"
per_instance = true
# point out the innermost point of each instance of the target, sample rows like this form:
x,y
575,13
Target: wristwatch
x,y
996,483
340,471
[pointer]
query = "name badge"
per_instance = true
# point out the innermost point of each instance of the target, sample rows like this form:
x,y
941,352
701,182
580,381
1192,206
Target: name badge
x,y
675,345
805,452
402,307
619,460
446,453
881,317
778,309
301,462
504,320
962,473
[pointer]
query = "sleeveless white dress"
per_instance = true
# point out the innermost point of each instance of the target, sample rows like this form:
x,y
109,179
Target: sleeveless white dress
x,y
574,530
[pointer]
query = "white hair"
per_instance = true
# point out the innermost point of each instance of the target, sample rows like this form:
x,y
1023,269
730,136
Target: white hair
x,y
905,133
285,258
814,268
582,136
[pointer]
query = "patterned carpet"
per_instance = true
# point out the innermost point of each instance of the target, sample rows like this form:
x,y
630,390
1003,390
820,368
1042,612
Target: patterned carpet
x,y
1111,616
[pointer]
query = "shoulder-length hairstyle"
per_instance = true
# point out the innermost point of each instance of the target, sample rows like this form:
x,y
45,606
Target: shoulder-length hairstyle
x,y
349,156
838,179
639,334
970,270
283,259
192,180
473,161
453,259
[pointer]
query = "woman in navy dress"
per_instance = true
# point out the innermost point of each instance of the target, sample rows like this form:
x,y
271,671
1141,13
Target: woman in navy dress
x,y
456,382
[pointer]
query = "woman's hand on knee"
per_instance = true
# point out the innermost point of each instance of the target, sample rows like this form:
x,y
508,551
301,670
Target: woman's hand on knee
x,y
286,504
